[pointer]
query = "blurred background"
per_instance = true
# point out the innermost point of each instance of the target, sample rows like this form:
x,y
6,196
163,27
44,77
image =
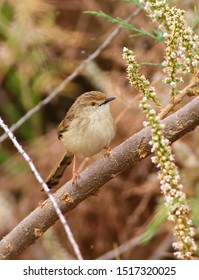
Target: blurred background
x,y
43,42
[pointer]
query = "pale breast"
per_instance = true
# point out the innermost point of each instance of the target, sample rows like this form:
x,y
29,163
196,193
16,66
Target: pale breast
x,y
90,135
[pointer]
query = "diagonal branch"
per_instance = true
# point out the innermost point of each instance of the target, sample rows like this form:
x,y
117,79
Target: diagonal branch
x,y
124,156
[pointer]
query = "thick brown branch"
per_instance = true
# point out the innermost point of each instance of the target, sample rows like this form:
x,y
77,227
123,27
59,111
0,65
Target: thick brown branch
x,y
124,156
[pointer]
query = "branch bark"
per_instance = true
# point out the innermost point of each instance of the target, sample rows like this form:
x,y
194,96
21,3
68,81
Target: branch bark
x,y
124,156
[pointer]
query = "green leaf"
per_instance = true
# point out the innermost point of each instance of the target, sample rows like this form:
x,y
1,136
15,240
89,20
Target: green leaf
x,y
6,12
4,155
157,221
157,35
196,18
194,204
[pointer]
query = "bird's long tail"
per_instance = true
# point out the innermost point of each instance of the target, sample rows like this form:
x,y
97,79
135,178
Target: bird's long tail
x,y
56,174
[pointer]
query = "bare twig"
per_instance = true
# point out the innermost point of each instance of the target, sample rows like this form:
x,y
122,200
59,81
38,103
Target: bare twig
x,y
163,247
178,98
58,89
124,156
126,246
37,230
123,248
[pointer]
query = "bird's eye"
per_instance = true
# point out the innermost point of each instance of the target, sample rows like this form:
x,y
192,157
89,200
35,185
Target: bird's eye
x,y
93,103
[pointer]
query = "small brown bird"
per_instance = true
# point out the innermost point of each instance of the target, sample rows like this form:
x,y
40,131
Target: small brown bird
x,y
87,128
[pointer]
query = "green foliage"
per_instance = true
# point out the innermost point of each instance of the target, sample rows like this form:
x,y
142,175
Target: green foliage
x,y
29,35
6,15
194,203
155,224
161,215
14,168
138,32
3,156
195,20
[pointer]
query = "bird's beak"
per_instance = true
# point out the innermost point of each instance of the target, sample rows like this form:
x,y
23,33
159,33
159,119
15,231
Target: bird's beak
x,y
108,99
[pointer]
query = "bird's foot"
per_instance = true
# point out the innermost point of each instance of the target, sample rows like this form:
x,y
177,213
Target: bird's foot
x,y
108,151
74,177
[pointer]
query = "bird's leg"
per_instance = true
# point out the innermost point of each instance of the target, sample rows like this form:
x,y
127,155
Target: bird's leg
x,y
75,173
82,165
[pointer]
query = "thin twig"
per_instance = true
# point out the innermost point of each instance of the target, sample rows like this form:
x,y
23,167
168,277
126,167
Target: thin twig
x,y
123,248
46,189
58,89
163,247
178,99
126,246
